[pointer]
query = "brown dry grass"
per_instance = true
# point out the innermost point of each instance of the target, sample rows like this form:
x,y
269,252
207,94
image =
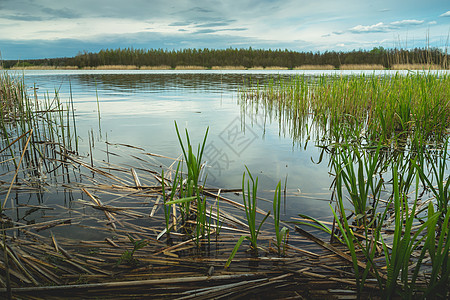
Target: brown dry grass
x,y
315,67
416,67
361,67
190,68
228,68
116,67
34,68
161,67
275,68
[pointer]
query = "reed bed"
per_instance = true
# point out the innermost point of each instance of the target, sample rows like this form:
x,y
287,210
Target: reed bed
x,y
190,68
417,67
387,139
117,67
315,67
39,132
153,229
161,67
228,68
275,68
114,208
361,67
118,213
386,108
34,68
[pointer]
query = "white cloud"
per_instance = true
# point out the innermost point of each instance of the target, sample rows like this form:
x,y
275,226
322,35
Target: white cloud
x,y
446,14
379,27
432,23
407,22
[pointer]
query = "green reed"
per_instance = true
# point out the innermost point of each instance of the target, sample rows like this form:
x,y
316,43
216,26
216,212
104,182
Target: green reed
x,y
405,241
50,121
169,199
436,179
192,189
361,183
283,233
401,275
439,279
250,206
386,108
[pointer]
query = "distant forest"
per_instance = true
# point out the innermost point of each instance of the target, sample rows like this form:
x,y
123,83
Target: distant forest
x,y
247,58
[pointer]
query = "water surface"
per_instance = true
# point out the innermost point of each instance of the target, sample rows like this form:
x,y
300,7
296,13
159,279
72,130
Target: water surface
x,y
139,108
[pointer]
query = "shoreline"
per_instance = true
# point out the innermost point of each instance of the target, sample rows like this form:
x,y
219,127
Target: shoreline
x,y
303,67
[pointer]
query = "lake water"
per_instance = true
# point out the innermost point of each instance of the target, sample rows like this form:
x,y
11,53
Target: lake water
x,y
139,108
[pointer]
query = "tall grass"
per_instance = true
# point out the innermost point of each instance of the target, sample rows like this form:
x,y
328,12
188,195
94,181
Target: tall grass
x,y
50,121
411,231
191,190
250,205
387,108
283,233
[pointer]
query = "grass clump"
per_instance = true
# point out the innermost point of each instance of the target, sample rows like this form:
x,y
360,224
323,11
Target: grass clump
x,y
283,233
250,205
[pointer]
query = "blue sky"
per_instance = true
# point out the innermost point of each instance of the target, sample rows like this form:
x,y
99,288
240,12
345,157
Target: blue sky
x,y
49,28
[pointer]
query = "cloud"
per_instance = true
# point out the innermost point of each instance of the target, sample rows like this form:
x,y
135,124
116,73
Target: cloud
x,y
64,13
210,30
213,24
406,23
22,17
181,23
432,23
381,27
446,14
206,31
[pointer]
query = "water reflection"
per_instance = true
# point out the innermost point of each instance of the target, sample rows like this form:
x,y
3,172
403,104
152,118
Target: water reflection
x,y
139,108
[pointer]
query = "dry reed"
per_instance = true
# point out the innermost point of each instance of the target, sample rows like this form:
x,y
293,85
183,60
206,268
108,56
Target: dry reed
x,y
161,67
314,67
275,68
116,67
361,67
416,67
228,68
190,68
34,68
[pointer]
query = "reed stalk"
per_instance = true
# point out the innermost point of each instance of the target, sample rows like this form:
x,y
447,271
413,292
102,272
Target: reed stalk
x,y
283,233
192,189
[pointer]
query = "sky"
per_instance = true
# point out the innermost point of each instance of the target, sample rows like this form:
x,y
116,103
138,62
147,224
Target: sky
x,y
47,28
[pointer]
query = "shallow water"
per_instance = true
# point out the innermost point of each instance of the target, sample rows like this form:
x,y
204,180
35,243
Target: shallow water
x,y
139,108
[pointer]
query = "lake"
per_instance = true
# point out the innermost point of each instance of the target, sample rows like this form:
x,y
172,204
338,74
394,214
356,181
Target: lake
x,y
103,213
138,108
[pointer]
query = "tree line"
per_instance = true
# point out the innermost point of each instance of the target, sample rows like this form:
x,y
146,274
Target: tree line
x,y
247,58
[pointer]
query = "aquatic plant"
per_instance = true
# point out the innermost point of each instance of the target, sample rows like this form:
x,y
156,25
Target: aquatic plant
x,y
385,108
128,256
436,179
169,199
192,189
405,241
362,183
283,233
250,206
